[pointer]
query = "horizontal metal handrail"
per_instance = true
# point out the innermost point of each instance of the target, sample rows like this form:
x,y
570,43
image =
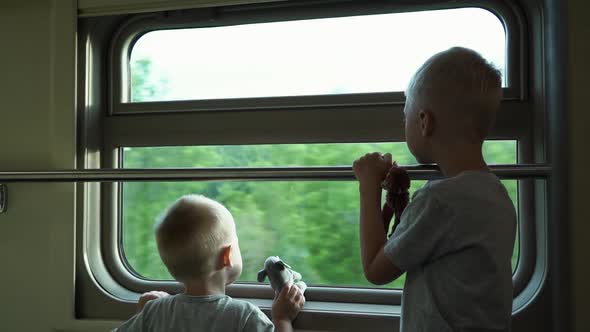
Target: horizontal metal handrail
x,y
417,172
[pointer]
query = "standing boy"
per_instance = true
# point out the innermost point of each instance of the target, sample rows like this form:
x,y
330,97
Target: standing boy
x,y
456,236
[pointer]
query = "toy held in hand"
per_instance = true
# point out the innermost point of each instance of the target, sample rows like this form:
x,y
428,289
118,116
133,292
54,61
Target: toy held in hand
x,y
397,184
279,274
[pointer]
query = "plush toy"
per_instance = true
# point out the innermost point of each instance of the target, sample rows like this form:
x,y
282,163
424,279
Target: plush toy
x,y
279,273
397,185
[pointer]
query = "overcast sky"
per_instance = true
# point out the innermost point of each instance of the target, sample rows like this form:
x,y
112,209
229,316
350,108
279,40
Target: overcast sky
x,y
371,53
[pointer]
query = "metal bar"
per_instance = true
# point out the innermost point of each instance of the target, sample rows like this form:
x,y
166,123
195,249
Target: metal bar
x,y
417,172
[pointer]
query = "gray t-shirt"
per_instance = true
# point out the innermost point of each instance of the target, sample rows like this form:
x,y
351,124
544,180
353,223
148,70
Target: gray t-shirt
x,y
198,313
455,242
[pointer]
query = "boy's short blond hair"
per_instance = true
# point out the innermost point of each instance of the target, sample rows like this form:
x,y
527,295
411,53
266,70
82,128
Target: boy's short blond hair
x,y
190,235
461,84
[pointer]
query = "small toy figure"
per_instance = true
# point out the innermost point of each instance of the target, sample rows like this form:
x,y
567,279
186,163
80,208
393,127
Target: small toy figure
x,y
397,185
279,273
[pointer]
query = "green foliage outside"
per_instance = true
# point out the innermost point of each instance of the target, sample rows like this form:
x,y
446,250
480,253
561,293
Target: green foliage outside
x,y
312,225
145,85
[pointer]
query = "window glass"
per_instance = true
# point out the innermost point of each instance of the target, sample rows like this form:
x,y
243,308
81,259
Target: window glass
x,y
310,224
358,54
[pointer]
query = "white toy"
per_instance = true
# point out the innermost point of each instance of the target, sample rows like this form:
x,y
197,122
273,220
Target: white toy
x,y
279,273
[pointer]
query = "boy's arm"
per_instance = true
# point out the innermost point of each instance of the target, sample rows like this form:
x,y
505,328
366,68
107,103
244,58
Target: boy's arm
x,y
283,326
134,323
286,307
146,297
370,170
377,267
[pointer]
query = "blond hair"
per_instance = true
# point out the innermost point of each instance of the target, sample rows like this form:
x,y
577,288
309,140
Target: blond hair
x,y
190,235
463,85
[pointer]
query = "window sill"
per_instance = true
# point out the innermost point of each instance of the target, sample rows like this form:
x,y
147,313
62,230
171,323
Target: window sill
x,y
339,316
335,307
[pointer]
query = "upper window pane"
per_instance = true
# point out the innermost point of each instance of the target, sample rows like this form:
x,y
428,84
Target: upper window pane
x,y
359,54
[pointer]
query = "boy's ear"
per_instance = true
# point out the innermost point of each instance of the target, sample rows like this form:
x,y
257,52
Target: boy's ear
x,y
226,256
261,275
426,122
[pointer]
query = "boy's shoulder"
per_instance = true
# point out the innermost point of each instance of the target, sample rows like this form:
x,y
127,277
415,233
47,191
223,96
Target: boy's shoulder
x,y
222,304
465,178
463,184
209,300
241,305
219,311
462,196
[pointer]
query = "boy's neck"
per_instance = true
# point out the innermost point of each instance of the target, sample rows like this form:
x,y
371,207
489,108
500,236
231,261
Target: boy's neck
x,y
460,157
213,285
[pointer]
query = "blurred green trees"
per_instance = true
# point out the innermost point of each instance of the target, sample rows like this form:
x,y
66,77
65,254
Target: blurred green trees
x,y
313,225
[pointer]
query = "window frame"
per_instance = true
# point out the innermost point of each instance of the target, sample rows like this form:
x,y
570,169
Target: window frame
x,y
139,25
120,127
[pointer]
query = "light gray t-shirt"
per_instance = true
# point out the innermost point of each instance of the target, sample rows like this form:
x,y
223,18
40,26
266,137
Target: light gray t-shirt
x,y
455,242
198,313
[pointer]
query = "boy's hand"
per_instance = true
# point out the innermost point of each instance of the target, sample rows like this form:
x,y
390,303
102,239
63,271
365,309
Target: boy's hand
x,y
287,304
371,169
146,297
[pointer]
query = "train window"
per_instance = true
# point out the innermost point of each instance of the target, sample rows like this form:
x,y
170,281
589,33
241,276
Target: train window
x,y
327,56
308,85
321,216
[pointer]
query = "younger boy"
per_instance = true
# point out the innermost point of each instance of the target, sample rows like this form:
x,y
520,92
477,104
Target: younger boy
x,y
198,243
456,236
